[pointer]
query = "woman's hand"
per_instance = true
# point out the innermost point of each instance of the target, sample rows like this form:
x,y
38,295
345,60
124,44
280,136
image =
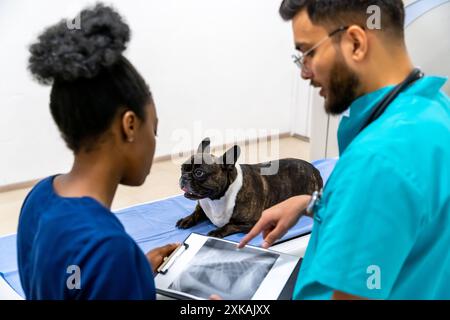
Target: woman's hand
x,y
157,255
277,220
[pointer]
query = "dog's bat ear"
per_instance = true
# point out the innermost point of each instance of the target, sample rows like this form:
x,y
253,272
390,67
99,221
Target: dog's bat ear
x,y
203,147
230,157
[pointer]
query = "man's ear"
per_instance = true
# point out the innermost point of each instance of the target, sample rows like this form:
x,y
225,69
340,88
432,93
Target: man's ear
x,y
230,157
129,125
203,147
359,42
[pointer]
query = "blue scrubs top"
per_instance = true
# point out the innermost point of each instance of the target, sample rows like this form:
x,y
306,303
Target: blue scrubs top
x,y
75,248
382,228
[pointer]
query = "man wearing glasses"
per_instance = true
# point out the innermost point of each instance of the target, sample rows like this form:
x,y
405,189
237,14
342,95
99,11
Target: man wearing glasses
x,y
382,225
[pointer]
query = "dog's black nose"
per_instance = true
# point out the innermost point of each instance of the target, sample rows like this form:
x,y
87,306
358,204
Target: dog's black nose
x,y
183,182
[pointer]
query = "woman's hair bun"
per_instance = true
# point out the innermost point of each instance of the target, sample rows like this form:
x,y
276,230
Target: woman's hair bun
x,y
70,54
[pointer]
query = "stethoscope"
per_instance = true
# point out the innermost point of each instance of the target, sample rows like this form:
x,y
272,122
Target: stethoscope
x,y
415,75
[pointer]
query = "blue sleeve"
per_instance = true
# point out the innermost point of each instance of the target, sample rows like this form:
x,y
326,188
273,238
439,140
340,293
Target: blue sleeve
x,y
369,223
116,269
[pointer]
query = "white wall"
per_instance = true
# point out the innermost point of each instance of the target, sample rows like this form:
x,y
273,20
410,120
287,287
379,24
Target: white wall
x,y
211,65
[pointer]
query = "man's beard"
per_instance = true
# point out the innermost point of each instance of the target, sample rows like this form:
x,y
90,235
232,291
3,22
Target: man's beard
x,y
343,87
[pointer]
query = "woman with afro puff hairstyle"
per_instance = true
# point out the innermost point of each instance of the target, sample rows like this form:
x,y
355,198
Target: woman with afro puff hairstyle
x,y
106,115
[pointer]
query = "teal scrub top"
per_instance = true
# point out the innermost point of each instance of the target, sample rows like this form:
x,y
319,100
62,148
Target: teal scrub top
x,y
382,228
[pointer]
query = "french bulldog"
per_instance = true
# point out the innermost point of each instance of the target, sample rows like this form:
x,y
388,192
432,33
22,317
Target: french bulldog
x,y
233,196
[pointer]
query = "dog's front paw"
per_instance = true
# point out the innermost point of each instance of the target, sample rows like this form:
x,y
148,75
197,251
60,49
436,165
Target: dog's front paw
x,y
186,223
216,233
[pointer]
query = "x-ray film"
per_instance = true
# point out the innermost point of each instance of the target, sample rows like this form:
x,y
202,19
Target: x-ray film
x,y
205,266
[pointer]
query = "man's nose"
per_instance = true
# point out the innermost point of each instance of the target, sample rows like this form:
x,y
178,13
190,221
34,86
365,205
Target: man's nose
x,y
306,74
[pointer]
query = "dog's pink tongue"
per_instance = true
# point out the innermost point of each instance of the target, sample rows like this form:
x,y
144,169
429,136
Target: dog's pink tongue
x,y
185,189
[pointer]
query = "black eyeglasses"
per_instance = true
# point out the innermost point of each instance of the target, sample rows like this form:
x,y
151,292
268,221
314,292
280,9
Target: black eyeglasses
x,y
299,59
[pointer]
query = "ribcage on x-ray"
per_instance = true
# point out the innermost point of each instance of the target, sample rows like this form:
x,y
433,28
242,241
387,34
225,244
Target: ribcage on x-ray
x,y
226,273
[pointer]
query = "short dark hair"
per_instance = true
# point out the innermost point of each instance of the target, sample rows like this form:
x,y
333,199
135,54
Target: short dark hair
x,y
91,79
336,13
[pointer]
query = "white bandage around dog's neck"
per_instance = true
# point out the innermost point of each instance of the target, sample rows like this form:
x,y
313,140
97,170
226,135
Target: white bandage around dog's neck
x,y
220,211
